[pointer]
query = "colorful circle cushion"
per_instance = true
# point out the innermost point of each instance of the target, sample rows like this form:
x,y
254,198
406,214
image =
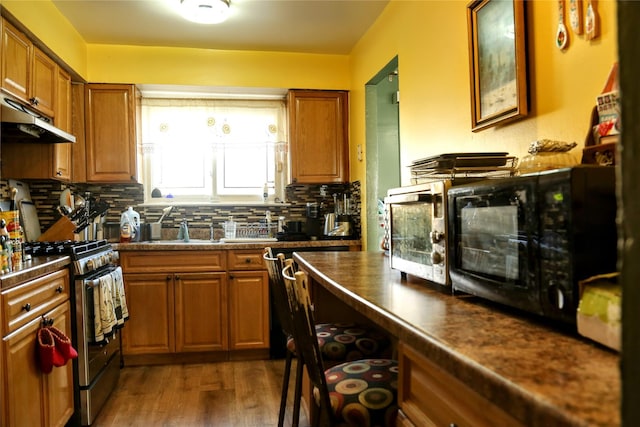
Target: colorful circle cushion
x,y
343,342
364,392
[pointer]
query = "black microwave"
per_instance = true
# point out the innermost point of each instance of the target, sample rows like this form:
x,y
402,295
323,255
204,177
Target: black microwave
x,y
528,240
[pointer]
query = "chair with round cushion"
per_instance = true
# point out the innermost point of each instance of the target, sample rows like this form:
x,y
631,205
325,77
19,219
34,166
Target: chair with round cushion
x,y
355,393
338,342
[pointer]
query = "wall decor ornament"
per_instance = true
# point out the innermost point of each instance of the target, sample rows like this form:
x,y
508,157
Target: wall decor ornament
x,y
497,62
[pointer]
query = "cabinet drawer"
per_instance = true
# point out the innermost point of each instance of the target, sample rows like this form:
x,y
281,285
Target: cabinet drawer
x,y
25,302
245,260
172,261
429,396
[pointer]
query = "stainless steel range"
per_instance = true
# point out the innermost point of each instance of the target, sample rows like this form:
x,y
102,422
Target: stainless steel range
x,y
99,312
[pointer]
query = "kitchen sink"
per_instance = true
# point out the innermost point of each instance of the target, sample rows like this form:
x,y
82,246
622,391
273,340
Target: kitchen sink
x,y
248,240
176,242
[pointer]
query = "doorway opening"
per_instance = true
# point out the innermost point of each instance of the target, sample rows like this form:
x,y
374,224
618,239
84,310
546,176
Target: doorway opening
x,y
382,129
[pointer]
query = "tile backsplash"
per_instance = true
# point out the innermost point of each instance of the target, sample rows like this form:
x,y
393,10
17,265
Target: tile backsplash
x,y
46,196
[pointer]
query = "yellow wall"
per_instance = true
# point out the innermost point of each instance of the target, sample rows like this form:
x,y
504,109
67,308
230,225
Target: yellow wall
x,y
164,65
430,39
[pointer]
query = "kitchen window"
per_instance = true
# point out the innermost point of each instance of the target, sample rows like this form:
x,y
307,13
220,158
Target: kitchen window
x,y
212,150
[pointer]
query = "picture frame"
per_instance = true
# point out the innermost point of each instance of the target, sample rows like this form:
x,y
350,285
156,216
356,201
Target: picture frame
x,y
497,62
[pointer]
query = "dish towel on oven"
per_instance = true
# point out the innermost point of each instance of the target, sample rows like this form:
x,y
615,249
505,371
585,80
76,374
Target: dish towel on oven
x,y
109,304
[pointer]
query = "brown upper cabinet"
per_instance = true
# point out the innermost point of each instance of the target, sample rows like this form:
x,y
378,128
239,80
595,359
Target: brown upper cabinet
x,y
318,133
62,153
27,72
43,161
110,132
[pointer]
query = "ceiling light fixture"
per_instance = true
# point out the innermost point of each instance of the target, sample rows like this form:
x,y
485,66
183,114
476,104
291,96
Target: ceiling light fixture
x,y
205,11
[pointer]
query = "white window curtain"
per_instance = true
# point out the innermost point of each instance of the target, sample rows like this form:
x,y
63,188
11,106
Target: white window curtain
x,y
210,149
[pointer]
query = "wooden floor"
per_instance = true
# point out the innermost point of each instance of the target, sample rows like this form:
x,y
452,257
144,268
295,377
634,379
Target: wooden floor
x,y
236,394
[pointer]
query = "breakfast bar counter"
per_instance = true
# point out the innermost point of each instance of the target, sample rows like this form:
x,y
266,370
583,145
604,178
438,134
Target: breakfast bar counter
x,y
538,373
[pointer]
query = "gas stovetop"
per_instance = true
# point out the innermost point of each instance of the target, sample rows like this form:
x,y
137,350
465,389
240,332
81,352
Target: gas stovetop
x,y
77,249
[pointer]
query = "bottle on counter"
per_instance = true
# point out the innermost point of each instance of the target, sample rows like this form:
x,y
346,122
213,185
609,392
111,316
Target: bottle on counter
x,y
129,226
6,248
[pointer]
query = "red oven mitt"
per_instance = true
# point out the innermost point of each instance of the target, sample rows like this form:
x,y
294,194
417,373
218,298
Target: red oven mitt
x,y
63,344
48,355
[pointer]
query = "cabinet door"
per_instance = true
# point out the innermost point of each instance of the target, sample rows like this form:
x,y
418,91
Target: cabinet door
x,y
23,377
27,161
150,301
430,396
43,161
110,139
44,83
201,312
58,385
50,396
62,152
78,153
248,310
16,61
318,131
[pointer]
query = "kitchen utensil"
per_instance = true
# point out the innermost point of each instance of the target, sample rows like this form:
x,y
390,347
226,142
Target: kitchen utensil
x,y
562,37
591,25
30,221
66,199
575,16
23,190
14,193
79,201
165,212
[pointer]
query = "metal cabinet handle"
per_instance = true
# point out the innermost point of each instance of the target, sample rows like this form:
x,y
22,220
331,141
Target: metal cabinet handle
x,y
26,307
247,260
34,100
59,289
168,279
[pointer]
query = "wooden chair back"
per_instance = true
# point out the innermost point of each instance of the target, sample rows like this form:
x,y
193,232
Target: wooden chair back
x,y
277,289
304,333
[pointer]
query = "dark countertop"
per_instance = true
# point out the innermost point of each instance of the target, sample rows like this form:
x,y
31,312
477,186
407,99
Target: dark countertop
x,y
36,267
538,373
194,244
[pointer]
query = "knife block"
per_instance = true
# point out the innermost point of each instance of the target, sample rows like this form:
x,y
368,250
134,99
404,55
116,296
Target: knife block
x,y
61,230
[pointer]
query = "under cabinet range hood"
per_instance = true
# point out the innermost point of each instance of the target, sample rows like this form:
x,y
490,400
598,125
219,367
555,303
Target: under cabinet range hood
x,y
20,124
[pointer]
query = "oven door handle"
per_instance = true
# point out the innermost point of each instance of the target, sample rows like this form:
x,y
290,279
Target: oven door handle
x,y
409,198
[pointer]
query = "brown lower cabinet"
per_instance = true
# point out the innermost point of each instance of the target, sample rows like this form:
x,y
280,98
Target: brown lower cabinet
x,y
32,398
186,306
429,396
248,300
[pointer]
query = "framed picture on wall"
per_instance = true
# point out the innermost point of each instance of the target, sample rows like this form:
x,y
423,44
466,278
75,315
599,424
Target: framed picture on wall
x,y
497,62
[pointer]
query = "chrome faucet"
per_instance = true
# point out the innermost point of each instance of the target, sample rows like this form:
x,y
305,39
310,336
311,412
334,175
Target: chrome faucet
x,y
183,232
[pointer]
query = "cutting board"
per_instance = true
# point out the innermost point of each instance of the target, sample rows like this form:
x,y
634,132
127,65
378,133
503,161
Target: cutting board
x,y
30,221
23,190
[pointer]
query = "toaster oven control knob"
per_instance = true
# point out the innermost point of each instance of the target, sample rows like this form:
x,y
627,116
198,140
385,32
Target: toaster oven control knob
x,y
436,257
436,236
